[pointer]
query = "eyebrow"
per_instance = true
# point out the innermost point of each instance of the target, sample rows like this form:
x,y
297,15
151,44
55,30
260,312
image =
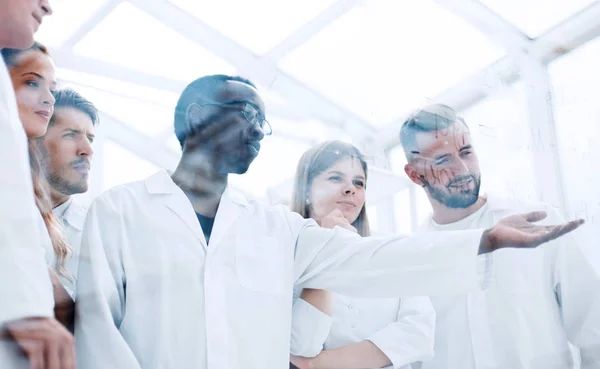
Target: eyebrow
x,y
245,102
343,175
53,83
73,130
467,147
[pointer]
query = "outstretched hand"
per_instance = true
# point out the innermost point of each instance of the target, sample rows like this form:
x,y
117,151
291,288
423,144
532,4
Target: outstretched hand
x,y
520,231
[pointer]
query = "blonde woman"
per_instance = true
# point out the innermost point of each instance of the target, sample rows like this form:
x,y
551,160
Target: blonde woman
x,y
338,331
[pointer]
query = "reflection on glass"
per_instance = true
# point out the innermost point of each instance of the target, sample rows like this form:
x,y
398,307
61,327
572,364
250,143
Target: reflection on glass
x,y
534,17
501,136
130,38
576,85
258,25
386,57
122,166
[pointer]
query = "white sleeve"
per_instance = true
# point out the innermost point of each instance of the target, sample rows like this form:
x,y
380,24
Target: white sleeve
x,y
310,328
101,282
411,337
24,281
577,285
428,264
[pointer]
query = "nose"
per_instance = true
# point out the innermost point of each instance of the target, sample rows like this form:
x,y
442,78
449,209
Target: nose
x,y
85,148
459,167
255,132
46,8
48,99
348,189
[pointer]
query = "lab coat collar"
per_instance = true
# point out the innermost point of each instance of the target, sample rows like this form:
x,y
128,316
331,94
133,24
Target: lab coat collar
x,y
229,208
75,214
161,183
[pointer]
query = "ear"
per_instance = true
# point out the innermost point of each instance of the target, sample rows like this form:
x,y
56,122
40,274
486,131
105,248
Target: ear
x,y
414,176
193,115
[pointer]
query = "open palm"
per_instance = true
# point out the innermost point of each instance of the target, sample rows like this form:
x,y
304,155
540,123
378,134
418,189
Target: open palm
x,y
520,231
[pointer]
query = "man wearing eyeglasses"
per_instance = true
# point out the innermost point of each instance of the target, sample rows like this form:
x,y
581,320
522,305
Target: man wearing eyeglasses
x,y
181,271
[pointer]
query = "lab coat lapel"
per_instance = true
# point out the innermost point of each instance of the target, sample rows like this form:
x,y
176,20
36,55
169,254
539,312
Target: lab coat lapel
x,y
230,208
173,197
75,214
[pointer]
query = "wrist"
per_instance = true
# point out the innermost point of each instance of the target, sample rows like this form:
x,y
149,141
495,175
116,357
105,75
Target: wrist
x,y
486,244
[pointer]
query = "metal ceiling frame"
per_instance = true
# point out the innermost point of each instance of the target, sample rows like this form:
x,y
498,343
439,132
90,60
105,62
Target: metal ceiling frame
x,y
527,59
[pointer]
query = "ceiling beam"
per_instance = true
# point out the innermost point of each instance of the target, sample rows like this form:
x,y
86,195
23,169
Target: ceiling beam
x,y
136,142
471,90
263,72
68,60
567,36
490,24
572,33
90,23
311,28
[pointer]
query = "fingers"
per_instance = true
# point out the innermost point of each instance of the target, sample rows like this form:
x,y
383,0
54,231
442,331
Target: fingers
x,y
52,354
549,233
554,232
47,344
535,216
67,354
35,353
62,345
336,213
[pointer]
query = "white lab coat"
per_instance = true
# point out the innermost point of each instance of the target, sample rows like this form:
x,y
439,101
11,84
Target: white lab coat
x,y
72,217
25,288
403,329
536,302
151,294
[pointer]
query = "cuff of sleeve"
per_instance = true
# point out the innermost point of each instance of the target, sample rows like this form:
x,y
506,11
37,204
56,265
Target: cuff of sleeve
x,y
310,328
399,355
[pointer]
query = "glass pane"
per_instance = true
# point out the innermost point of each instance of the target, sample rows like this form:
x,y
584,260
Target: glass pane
x,y
535,17
122,166
68,16
275,164
576,85
402,207
500,132
373,223
402,214
173,144
310,131
130,38
259,25
148,110
386,57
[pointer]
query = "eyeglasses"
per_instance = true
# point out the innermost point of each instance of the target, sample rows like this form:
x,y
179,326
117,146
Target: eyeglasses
x,y
250,112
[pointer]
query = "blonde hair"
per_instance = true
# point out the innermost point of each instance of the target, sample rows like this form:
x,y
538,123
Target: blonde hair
x,y
61,247
314,162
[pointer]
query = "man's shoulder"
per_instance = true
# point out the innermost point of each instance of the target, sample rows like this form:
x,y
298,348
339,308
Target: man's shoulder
x,y
120,195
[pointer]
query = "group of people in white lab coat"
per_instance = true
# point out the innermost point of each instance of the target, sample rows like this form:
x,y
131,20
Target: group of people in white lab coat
x,y
181,271
44,161
534,309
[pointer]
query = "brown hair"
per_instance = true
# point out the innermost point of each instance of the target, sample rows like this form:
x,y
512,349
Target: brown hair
x,y
314,162
10,55
60,245
40,186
